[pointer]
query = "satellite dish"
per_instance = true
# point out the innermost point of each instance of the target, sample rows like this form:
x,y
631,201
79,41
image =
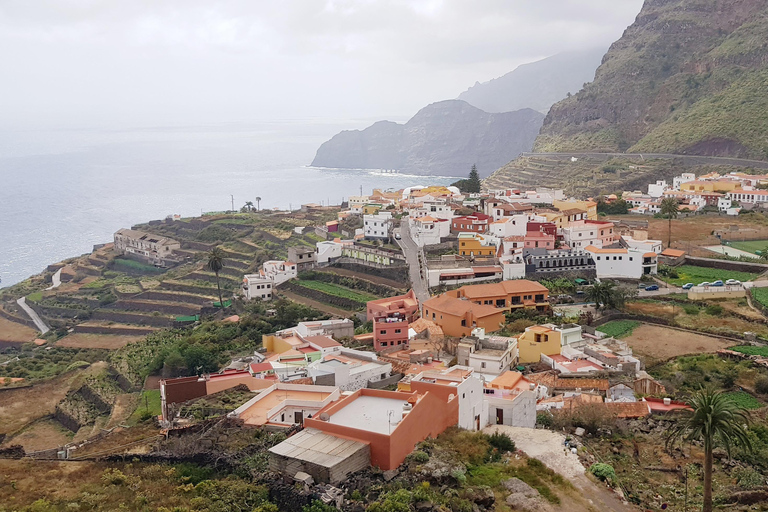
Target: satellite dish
x,y
324,416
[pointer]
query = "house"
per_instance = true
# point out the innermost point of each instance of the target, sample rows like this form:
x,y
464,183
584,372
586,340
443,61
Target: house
x,y
284,405
356,203
539,236
720,185
506,295
372,208
391,317
437,209
685,177
312,346
539,340
590,207
457,317
487,354
656,190
581,385
672,256
457,382
330,250
623,263
332,226
641,245
621,393
749,196
257,286
515,225
349,370
477,223
477,245
279,271
148,248
303,256
510,399
583,233
377,226
541,263
429,230
454,273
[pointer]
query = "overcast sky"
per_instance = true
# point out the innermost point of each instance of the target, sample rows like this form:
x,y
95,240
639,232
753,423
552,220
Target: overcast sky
x,y
80,62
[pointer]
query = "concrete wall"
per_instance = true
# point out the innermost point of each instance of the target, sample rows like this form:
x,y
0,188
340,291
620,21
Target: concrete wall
x,y
520,412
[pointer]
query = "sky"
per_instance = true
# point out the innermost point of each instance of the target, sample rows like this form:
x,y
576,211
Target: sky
x,y
151,62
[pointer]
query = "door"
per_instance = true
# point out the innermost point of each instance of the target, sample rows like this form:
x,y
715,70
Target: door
x,y
499,416
298,417
477,422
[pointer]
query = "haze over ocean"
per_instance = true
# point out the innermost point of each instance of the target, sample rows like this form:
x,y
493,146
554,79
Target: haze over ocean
x,y
62,191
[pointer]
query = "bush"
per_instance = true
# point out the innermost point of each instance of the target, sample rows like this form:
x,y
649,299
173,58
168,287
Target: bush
x,y
419,457
761,385
604,472
690,309
502,442
714,310
749,478
544,419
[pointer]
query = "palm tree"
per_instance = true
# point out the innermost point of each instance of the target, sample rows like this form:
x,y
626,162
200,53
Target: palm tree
x,y
215,264
715,418
601,293
258,202
670,208
249,206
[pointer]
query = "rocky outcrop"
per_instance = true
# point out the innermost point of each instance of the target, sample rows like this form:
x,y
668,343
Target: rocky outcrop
x,y
687,77
444,138
537,85
525,498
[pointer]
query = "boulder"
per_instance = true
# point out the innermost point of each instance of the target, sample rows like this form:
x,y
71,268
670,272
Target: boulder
x,y
525,498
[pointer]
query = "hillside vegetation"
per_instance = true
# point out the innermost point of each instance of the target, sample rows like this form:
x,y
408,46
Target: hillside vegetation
x,y
688,76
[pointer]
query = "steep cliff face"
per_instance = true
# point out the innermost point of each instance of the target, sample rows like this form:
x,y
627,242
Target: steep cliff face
x,y
444,138
688,76
537,85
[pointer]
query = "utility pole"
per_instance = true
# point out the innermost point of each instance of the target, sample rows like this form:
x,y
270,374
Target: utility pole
x,y
233,202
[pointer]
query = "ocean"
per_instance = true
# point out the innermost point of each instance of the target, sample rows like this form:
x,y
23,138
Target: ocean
x,y
62,191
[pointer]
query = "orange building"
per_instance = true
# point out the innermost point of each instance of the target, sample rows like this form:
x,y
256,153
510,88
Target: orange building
x,y
457,317
391,317
507,295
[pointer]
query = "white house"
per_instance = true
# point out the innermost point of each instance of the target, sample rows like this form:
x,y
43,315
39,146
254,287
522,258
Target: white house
x,y
349,370
623,263
356,203
279,271
511,257
749,196
330,249
510,399
583,233
435,208
379,226
515,225
656,190
490,355
256,286
642,245
683,178
429,230
469,393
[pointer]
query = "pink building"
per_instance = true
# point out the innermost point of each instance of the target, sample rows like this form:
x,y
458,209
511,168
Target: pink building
x,y
391,317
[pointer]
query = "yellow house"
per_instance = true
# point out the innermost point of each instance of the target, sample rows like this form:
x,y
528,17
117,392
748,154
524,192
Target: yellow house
x,y
710,186
538,340
372,209
588,206
473,244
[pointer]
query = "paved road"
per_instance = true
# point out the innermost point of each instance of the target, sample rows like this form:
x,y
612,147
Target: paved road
x,y
56,280
691,159
411,252
34,316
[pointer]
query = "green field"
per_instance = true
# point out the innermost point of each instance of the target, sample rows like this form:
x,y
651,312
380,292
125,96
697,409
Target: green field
x,y
149,404
619,328
135,266
744,399
337,291
750,245
760,295
696,275
751,350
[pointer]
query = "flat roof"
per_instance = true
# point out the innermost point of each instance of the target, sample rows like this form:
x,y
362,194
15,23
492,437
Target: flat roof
x,y
371,413
256,414
316,447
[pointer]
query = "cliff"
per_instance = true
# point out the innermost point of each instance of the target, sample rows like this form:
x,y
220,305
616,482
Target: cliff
x,y
687,77
445,138
537,85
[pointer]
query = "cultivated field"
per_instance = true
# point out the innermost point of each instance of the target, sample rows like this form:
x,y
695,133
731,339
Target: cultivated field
x,y
107,341
696,275
654,343
11,331
751,245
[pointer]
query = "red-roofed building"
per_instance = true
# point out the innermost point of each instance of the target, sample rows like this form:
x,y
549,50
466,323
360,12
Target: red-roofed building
x,y
391,317
477,223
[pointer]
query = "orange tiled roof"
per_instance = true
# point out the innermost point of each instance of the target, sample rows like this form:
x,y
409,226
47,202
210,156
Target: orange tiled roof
x,y
672,253
457,307
577,383
502,288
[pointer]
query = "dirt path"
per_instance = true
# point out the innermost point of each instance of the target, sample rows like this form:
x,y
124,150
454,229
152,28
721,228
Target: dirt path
x,y
366,277
656,343
548,447
325,308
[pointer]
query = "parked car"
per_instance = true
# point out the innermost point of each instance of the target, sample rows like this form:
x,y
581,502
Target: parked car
x,y
641,285
733,281
705,283
687,286
652,288
718,283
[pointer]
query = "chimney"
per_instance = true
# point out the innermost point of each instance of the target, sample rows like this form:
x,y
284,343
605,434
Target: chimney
x,y
667,401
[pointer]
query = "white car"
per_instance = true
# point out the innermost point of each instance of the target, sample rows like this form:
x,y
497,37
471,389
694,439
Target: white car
x,y
733,281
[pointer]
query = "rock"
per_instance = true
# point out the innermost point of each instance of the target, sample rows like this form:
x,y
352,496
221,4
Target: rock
x,y
483,496
719,453
440,471
390,474
524,497
423,506
517,486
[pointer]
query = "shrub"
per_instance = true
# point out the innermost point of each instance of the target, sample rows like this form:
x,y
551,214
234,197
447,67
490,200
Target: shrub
x,y
761,385
544,419
318,506
604,472
749,478
459,475
690,309
714,310
502,442
419,457
114,476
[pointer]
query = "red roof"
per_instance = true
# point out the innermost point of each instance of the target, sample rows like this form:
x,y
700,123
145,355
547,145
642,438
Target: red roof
x,y
323,341
260,367
658,405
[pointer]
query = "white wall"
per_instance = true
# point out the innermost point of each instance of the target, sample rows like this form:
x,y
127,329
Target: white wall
x,y
520,412
377,226
470,396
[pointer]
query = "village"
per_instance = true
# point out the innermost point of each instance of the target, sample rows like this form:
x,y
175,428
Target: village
x,y
506,310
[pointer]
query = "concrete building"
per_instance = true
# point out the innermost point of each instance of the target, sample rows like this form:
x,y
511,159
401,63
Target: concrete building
x,y
378,226
490,355
457,317
256,286
148,248
583,233
506,295
538,340
303,256
349,370
510,399
279,271
542,263
749,196
327,251
429,230
284,405
477,245
455,383
641,245
391,317
477,223
623,263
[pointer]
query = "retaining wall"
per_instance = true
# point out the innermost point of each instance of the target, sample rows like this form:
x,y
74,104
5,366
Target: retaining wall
x,y
151,307
98,329
322,297
741,266
130,318
397,273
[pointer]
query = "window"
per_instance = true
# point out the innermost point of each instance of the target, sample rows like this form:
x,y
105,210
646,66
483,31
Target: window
x,y
630,258
482,365
383,343
463,323
383,331
397,331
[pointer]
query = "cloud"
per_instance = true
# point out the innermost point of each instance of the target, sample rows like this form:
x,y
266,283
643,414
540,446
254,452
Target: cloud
x,y
232,59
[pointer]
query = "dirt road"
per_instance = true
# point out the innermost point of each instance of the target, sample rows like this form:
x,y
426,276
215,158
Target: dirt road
x,y
548,447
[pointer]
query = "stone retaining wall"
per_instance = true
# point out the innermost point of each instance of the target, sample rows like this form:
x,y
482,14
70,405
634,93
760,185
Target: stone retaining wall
x,y
151,307
129,318
98,329
322,296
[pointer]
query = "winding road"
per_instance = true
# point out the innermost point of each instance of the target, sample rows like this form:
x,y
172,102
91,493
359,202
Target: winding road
x,y
415,270
691,159
41,326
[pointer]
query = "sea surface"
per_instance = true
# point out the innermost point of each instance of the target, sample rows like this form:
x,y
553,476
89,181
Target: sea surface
x,y
62,191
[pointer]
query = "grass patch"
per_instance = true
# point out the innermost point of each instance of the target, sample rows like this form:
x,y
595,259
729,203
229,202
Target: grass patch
x,y
35,297
136,266
149,406
751,350
760,295
619,328
696,275
750,245
337,291
745,400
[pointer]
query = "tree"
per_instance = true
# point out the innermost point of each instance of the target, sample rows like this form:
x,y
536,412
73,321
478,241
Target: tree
x,y
472,184
215,264
258,203
248,207
669,208
716,418
609,296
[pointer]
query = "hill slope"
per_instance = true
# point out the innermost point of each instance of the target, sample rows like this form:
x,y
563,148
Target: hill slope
x,y
688,76
537,85
445,138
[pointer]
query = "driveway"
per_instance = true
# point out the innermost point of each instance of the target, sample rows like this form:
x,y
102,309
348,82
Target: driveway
x,y
549,448
415,271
